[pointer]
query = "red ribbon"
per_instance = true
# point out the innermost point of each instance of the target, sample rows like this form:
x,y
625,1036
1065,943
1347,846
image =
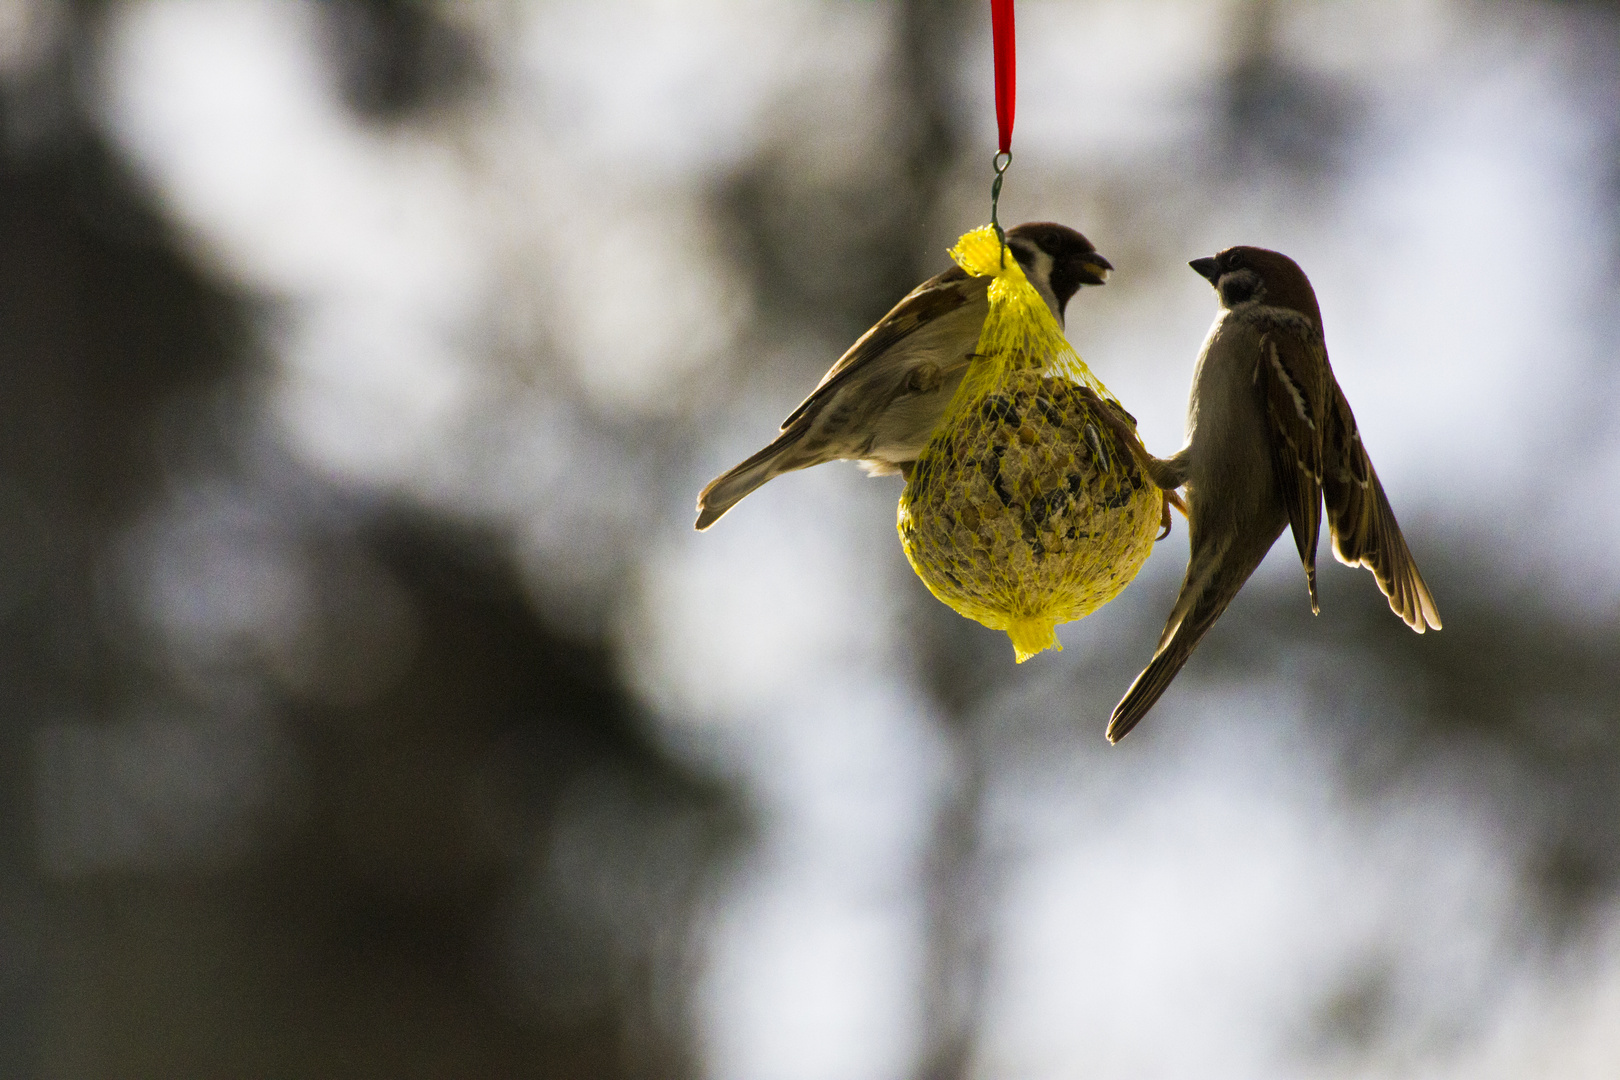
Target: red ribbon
x,y
1005,48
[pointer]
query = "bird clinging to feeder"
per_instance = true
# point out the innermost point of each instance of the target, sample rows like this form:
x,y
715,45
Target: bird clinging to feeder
x,y
1270,438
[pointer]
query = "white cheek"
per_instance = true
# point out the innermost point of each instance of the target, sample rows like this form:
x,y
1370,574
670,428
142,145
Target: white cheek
x,y
1043,266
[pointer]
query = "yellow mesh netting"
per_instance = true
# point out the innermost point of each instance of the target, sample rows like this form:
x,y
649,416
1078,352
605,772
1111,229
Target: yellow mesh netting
x,y
1025,510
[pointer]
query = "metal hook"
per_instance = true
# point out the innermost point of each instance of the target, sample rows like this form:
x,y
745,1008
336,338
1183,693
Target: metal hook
x,y
999,163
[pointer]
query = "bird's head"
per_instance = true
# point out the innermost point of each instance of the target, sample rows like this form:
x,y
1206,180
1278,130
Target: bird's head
x,y
1249,274
1057,260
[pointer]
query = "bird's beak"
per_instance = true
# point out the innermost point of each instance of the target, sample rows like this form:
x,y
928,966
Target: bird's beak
x,y
1094,269
1207,268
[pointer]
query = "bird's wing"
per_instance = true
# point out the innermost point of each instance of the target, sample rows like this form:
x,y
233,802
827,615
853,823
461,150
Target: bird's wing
x,y
1293,379
937,296
1364,529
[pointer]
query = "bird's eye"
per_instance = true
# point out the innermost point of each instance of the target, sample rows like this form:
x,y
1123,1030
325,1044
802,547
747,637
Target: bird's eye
x,y
1234,261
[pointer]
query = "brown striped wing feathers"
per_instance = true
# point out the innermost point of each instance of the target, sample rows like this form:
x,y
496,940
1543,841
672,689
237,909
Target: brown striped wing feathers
x,y
1293,378
937,296
1364,529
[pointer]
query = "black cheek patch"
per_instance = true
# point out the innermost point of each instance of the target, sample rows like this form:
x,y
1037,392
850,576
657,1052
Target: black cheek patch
x,y
1065,283
1236,288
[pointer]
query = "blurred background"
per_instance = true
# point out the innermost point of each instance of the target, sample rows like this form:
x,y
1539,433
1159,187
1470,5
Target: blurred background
x,y
372,709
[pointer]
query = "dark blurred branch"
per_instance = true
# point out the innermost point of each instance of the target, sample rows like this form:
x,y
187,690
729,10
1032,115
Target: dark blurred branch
x,y
832,243
1278,120
397,57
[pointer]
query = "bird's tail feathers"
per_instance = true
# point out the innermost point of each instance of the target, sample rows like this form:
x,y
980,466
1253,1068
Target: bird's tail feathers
x,y
1149,685
1207,590
730,487
1198,583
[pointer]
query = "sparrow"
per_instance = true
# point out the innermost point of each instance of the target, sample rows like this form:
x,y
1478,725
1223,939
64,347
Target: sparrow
x,y
880,403
1270,437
